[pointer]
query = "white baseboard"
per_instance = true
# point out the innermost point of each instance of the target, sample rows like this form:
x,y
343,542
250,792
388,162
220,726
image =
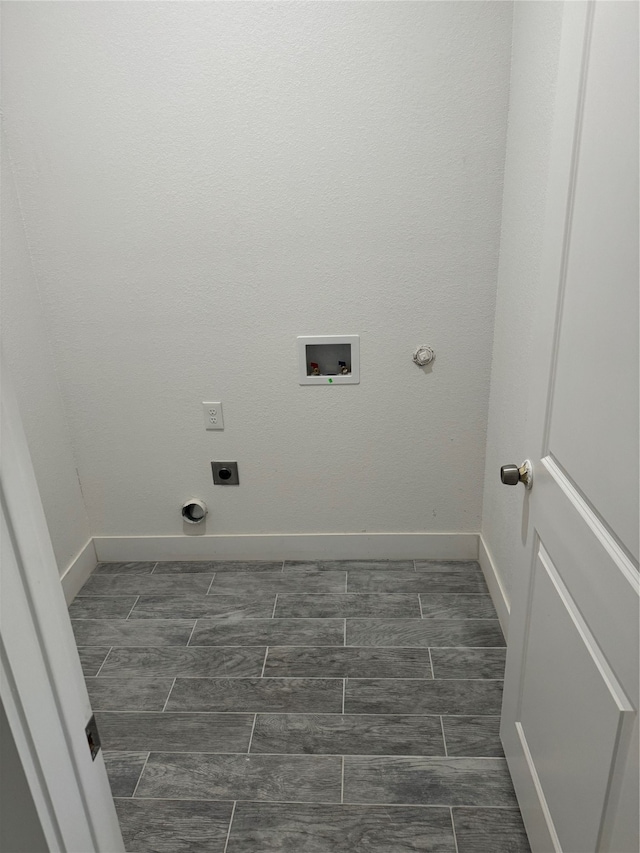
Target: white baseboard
x,y
290,546
77,573
496,589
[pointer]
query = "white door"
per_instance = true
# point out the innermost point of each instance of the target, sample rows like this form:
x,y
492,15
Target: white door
x,y
570,714
43,695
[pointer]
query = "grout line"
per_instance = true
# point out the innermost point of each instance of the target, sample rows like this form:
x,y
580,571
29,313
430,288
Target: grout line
x,y
103,662
275,604
446,751
154,568
165,595
300,714
166,701
317,755
105,678
233,811
282,569
211,584
415,568
229,645
344,690
84,644
140,776
420,603
195,622
345,632
453,827
134,604
513,808
346,581
433,675
342,783
264,663
376,593
253,728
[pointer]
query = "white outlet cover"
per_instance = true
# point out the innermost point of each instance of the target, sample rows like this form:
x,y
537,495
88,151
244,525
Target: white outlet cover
x,y
213,418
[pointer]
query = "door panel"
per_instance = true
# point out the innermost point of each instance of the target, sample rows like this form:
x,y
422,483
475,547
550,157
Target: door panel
x,y
593,418
602,579
572,709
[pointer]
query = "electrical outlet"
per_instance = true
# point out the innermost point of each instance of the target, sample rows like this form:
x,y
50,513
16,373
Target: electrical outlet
x,y
213,416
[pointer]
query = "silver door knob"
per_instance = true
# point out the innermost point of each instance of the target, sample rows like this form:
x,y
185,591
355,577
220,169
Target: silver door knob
x,y
511,475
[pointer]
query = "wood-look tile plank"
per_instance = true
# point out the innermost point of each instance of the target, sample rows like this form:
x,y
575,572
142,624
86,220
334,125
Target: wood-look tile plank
x,y
423,633
348,565
418,582
328,734
423,781
468,662
92,658
184,732
473,736
203,606
217,567
185,661
447,566
247,582
284,828
410,696
370,662
123,770
346,605
174,826
457,606
268,632
490,831
102,606
279,778
123,632
138,568
134,584
255,695
128,694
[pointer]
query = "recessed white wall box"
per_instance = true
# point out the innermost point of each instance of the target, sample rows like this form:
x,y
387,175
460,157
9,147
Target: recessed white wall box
x,y
329,359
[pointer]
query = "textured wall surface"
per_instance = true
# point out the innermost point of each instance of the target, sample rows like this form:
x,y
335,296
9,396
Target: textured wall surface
x,y
20,827
26,347
201,183
536,43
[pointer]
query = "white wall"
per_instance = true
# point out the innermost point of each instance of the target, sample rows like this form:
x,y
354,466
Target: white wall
x,y
201,183
536,41
27,350
20,827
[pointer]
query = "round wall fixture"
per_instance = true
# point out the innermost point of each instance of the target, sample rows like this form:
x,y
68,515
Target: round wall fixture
x,y
423,356
194,511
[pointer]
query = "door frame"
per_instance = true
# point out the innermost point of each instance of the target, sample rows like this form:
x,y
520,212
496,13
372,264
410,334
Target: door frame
x,y
41,681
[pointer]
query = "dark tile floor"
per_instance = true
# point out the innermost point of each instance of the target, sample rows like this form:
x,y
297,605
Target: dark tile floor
x,y
318,707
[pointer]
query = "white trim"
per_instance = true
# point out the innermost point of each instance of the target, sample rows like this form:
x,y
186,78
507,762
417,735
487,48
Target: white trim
x,y
77,572
497,591
290,546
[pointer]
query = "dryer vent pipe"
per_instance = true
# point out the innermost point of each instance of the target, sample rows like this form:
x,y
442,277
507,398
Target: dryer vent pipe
x,y
194,511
